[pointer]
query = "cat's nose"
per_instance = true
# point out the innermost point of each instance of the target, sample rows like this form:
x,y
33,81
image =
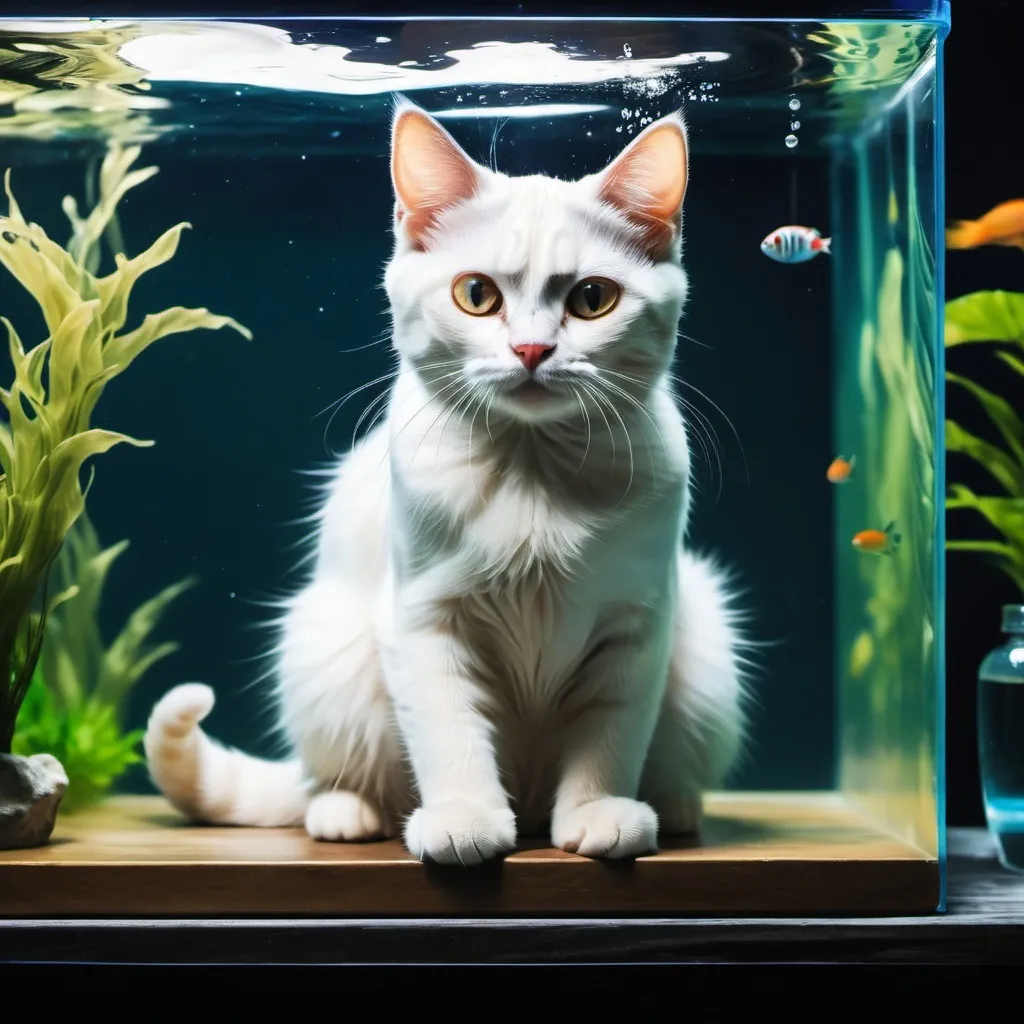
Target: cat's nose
x,y
531,356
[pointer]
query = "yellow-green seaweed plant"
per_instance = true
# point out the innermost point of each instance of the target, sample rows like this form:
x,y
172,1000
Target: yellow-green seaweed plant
x,y
74,80
75,706
870,55
991,318
50,404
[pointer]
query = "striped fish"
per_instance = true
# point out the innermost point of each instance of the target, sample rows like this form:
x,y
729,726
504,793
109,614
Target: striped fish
x,y
795,244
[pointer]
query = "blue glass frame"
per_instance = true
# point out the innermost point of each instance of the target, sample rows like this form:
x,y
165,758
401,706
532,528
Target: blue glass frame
x,y
932,11
711,10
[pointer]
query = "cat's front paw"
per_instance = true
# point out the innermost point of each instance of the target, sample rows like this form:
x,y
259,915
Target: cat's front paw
x,y
460,832
613,827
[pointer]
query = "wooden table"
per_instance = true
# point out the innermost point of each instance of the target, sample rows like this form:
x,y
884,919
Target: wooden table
x,y
760,854
984,925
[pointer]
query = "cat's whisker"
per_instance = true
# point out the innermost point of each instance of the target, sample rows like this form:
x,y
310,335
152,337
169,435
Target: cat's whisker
x,y
405,426
383,396
712,434
467,397
600,408
631,398
586,450
338,402
469,448
487,417
694,341
462,385
444,408
382,338
629,442
704,432
633,401
386,394
390,375
686,383
374,402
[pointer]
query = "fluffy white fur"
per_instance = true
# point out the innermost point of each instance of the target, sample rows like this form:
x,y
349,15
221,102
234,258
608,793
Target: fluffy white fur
x,y
504,630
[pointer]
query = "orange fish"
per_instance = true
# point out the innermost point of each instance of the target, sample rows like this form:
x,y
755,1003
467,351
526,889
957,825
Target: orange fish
x,y
840,470
877,542
1002,225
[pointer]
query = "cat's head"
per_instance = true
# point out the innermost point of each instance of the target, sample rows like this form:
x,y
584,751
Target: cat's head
x,y
533,294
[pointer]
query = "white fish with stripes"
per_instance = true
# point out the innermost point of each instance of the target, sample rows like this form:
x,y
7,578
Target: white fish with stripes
x,y
795,244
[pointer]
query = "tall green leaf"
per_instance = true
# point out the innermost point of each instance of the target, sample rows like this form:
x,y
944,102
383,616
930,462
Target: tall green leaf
x,y
1005,470
999,411
989,316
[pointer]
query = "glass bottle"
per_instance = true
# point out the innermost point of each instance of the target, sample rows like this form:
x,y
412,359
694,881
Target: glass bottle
x,y
1001,739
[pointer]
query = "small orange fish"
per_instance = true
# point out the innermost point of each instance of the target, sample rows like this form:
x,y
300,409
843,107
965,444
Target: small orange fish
x,y
877,542
1002,225
840,470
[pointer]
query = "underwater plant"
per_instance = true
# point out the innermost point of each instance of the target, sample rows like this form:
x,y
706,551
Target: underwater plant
x,y
48,435
991,318
74,708
57,85
859,59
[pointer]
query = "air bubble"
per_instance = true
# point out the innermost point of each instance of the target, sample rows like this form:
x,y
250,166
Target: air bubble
x,y
383,39
627,50
794,103
794,126
791,141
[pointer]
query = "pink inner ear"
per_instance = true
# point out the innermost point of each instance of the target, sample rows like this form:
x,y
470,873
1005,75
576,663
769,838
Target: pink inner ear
x,y
430,173
648,181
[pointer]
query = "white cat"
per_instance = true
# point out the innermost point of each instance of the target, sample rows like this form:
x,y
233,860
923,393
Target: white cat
x,y
503,626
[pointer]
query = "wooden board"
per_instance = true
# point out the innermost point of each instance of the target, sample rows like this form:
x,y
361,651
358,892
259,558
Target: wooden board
x,y
760,854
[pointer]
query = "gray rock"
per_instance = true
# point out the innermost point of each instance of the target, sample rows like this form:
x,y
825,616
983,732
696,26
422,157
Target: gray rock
x,y
31,789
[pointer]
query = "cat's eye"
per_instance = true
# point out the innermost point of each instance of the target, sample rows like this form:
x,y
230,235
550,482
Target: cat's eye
x,y
476,294
593,297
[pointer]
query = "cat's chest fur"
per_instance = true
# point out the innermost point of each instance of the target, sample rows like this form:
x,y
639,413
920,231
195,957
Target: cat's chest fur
x,y
525,577
507,568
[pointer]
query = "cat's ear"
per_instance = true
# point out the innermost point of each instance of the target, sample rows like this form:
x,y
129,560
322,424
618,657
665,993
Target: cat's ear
x,y
429,171
647,182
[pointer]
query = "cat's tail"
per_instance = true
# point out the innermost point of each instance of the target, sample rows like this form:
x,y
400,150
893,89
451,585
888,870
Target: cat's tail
x,y
212,783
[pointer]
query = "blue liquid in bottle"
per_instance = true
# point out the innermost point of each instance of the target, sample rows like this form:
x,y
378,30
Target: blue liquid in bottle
x,y
1001,739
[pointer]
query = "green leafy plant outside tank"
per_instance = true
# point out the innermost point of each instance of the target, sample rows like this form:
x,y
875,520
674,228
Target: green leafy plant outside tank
x,y
49,434
991,318
75,706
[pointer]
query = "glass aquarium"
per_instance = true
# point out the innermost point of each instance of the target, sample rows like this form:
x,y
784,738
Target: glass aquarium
x,y
206,308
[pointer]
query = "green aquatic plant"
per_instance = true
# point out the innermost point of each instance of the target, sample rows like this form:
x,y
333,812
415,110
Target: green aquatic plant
x,y
991,318
75,706
868,55
49,435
